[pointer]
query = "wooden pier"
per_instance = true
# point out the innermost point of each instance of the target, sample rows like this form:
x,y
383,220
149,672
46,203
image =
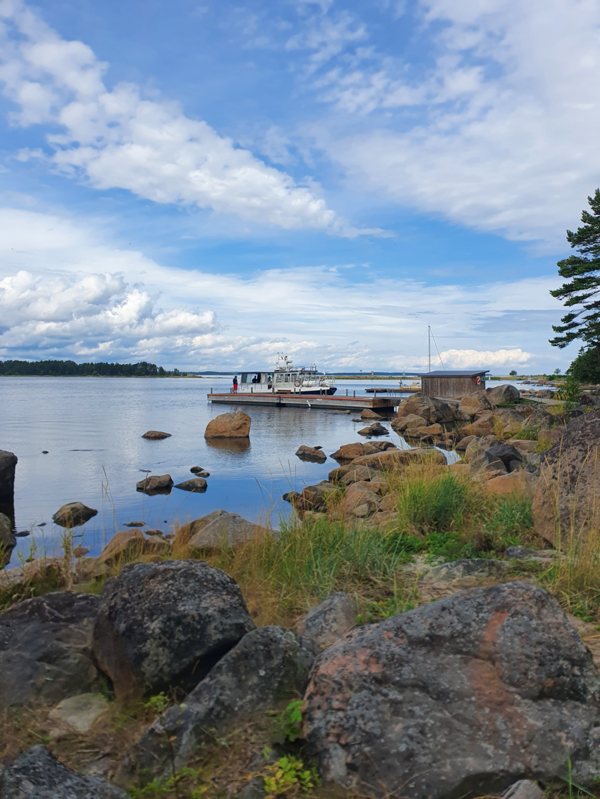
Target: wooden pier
x,y
336,402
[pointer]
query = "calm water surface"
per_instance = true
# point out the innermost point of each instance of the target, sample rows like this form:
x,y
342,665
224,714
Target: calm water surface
x,y
92,429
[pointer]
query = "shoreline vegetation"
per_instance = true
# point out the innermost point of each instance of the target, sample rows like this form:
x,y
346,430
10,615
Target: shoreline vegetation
x,y
445,530
57,368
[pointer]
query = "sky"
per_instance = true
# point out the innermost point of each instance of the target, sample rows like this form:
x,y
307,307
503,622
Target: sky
x,y
204,184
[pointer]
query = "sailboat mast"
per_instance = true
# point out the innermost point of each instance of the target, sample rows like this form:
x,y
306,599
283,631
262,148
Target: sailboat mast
x,y
429,345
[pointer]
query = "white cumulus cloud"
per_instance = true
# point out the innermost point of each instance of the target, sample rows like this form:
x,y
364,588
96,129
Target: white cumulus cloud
x,y
495,128
116,138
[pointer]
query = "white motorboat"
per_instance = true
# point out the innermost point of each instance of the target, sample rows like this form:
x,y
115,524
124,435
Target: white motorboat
x,y
287,379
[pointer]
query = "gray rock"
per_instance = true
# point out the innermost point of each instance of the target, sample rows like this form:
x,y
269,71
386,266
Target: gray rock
x,y
155,484
483,465
73,514
8,540
196,485
501,395
519,553
8,464
448,578
507,455
462,696
524,789
222,528
328,622
199,471
39,775
165,625
45,648
266,666
566,502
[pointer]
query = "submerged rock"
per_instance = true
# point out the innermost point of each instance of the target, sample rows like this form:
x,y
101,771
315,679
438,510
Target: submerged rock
x,y
196,485
156,435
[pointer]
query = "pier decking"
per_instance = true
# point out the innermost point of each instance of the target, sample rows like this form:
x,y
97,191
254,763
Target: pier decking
x,y
337,402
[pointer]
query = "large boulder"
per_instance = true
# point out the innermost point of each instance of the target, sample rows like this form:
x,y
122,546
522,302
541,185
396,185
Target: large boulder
x,y
462,696
73,514
8,464
229,425
503,395
267,665
217,529
430,409
46,648
164,625
39,775
472,404
566,502
8,540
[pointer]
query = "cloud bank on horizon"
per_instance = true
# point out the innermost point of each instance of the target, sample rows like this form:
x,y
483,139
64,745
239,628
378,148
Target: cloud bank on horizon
x,y
411,123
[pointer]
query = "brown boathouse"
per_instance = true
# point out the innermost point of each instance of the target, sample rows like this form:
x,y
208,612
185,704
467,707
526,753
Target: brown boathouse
x,y
453,384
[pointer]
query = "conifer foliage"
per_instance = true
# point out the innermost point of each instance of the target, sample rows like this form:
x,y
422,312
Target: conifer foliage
x,y
582,289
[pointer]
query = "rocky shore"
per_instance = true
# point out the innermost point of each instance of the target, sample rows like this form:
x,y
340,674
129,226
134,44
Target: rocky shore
x,y
158,668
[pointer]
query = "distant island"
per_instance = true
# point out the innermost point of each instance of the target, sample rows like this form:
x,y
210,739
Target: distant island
x,y
72,369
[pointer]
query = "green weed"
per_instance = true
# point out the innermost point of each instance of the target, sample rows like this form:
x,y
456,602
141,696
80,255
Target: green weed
x,y
289,775
290,721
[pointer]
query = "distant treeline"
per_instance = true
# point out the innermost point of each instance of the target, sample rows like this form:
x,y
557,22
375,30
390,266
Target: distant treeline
x,y
72,369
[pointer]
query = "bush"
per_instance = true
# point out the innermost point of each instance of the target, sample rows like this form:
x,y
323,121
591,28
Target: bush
x,y
586,367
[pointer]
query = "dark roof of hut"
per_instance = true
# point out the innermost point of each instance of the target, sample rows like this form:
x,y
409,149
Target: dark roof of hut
x,y
457,373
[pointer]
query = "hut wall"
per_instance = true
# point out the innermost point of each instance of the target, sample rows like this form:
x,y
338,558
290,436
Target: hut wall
x,y
450,386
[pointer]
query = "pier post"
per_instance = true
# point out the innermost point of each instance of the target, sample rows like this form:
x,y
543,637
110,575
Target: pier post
x,y
354,394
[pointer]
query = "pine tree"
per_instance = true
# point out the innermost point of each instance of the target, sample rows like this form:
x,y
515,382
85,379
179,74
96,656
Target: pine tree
x,y
583,289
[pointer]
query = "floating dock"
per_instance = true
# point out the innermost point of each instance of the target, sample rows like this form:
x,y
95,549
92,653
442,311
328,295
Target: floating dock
x,y
336,402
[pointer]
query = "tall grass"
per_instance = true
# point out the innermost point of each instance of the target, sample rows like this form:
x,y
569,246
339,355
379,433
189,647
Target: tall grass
x,y
440,514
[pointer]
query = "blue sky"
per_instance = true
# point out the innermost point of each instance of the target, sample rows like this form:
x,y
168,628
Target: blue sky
x,y
204,184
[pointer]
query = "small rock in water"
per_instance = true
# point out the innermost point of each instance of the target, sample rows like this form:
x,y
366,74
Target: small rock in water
x,y
135,524
196,484
199,471
41,524
157,484
23,533
73,514
45,452
156,435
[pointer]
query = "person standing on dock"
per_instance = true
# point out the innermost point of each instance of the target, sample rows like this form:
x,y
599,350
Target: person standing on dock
x,y
235,384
